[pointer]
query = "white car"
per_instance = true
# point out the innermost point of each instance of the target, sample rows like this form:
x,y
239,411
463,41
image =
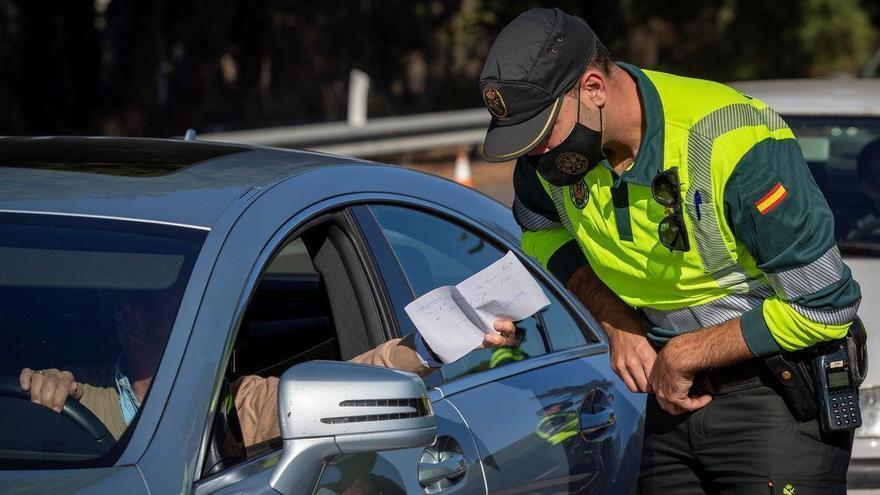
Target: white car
x,y
834,120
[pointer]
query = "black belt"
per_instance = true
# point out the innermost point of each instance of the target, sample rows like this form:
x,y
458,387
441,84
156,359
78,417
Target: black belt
x,y
793,383
739,376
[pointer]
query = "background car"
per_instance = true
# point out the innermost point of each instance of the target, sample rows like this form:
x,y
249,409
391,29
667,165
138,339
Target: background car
x,y
250,261
834,120
872,66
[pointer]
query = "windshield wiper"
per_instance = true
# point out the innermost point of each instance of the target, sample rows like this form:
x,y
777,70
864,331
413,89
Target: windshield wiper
x,y
859,248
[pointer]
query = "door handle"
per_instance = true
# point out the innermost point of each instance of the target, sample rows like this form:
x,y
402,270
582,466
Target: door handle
x,y
597,417
439,466
595,422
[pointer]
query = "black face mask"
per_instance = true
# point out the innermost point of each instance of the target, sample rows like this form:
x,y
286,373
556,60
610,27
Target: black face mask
x,y
570,160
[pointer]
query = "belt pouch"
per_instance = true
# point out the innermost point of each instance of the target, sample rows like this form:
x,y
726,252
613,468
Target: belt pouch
x,y
794,386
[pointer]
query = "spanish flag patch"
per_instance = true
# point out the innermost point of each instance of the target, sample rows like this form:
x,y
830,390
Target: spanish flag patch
x,y
772,199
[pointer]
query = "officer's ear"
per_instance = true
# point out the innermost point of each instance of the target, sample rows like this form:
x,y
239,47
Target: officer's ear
x,y
594,86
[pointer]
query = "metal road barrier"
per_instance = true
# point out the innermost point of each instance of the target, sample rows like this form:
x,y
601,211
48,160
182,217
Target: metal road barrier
x,y
380,136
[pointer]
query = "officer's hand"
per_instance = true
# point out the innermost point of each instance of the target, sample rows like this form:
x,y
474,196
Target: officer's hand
x,y
672,384
632,357
50,387
506,336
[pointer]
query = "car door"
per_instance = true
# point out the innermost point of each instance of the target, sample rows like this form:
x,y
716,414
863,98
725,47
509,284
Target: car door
x,y
547,417
348,277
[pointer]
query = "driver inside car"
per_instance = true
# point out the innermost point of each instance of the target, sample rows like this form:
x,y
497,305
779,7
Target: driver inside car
x,y
114,393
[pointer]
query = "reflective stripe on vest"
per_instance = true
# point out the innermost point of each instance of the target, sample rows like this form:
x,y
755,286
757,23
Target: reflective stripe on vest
x,y
706,229
559,203
712,313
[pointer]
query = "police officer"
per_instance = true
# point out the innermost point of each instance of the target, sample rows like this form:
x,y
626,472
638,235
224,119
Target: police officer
x,y
681,212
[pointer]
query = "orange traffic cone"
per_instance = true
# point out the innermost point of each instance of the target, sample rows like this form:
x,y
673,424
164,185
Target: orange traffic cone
x,y
462,172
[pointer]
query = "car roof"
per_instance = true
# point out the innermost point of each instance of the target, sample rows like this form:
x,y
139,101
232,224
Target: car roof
x,y
835,96
160,180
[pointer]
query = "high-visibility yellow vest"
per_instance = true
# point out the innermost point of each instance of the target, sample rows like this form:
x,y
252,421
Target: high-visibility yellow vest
x,y
703,129
716,265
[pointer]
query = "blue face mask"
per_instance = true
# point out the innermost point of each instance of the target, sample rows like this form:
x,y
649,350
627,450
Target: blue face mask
x,y
128,403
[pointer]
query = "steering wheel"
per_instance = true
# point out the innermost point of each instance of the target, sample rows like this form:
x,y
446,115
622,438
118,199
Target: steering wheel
x,y
73,410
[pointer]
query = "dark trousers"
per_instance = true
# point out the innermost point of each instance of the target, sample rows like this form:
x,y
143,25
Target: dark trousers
x,y
743,442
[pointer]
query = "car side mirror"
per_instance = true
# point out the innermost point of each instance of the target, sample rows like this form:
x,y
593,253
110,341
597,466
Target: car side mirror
x,y
330,408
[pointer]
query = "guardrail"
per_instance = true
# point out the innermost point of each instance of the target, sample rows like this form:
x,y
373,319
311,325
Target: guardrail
x,y
380,136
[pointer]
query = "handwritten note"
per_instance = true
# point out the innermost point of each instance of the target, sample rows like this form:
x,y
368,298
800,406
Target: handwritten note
x,y
453,319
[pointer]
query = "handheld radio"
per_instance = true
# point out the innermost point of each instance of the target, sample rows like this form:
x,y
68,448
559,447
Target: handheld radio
x,y
838,393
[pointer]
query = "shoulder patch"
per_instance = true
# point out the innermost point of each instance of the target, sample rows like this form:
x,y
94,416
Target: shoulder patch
x,y
772,199
579,194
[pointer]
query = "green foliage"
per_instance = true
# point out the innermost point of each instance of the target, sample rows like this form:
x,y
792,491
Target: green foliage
x,y
156,68
839,33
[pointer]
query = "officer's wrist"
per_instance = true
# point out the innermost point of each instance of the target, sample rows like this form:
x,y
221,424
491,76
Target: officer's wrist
x,y
681,352
610,330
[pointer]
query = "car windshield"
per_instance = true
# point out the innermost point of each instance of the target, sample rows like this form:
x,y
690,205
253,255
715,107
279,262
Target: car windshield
x,y
844,155
86,307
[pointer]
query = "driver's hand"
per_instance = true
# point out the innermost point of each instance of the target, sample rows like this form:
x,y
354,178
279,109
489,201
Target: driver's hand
x,y
50,387
506,336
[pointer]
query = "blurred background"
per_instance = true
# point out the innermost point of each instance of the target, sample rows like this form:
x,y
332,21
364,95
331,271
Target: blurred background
x,y
328,74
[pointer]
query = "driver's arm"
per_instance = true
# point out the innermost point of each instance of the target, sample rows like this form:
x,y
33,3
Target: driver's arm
x,y
256,398
411,353
401,354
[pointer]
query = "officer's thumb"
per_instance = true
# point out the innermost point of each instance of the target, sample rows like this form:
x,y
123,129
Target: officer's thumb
x,y
700,401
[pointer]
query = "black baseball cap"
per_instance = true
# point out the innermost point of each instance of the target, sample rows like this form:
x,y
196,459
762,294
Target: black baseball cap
x,y
535,59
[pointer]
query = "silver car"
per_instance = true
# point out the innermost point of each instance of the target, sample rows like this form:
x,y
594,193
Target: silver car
x,y
837,122
182,267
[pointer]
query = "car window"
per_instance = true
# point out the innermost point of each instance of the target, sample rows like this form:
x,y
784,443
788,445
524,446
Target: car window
x,y
563,330
96,298
287,315
433,251
844,157
290,319
293,259
286,322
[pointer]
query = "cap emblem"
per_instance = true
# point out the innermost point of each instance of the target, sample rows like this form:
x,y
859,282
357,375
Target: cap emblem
x,y
495,103
572,163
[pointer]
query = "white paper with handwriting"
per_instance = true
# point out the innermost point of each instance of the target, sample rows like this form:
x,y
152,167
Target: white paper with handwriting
x,y
453,319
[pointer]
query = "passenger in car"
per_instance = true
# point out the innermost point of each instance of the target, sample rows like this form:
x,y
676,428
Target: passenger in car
x,y
115,393
868,169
